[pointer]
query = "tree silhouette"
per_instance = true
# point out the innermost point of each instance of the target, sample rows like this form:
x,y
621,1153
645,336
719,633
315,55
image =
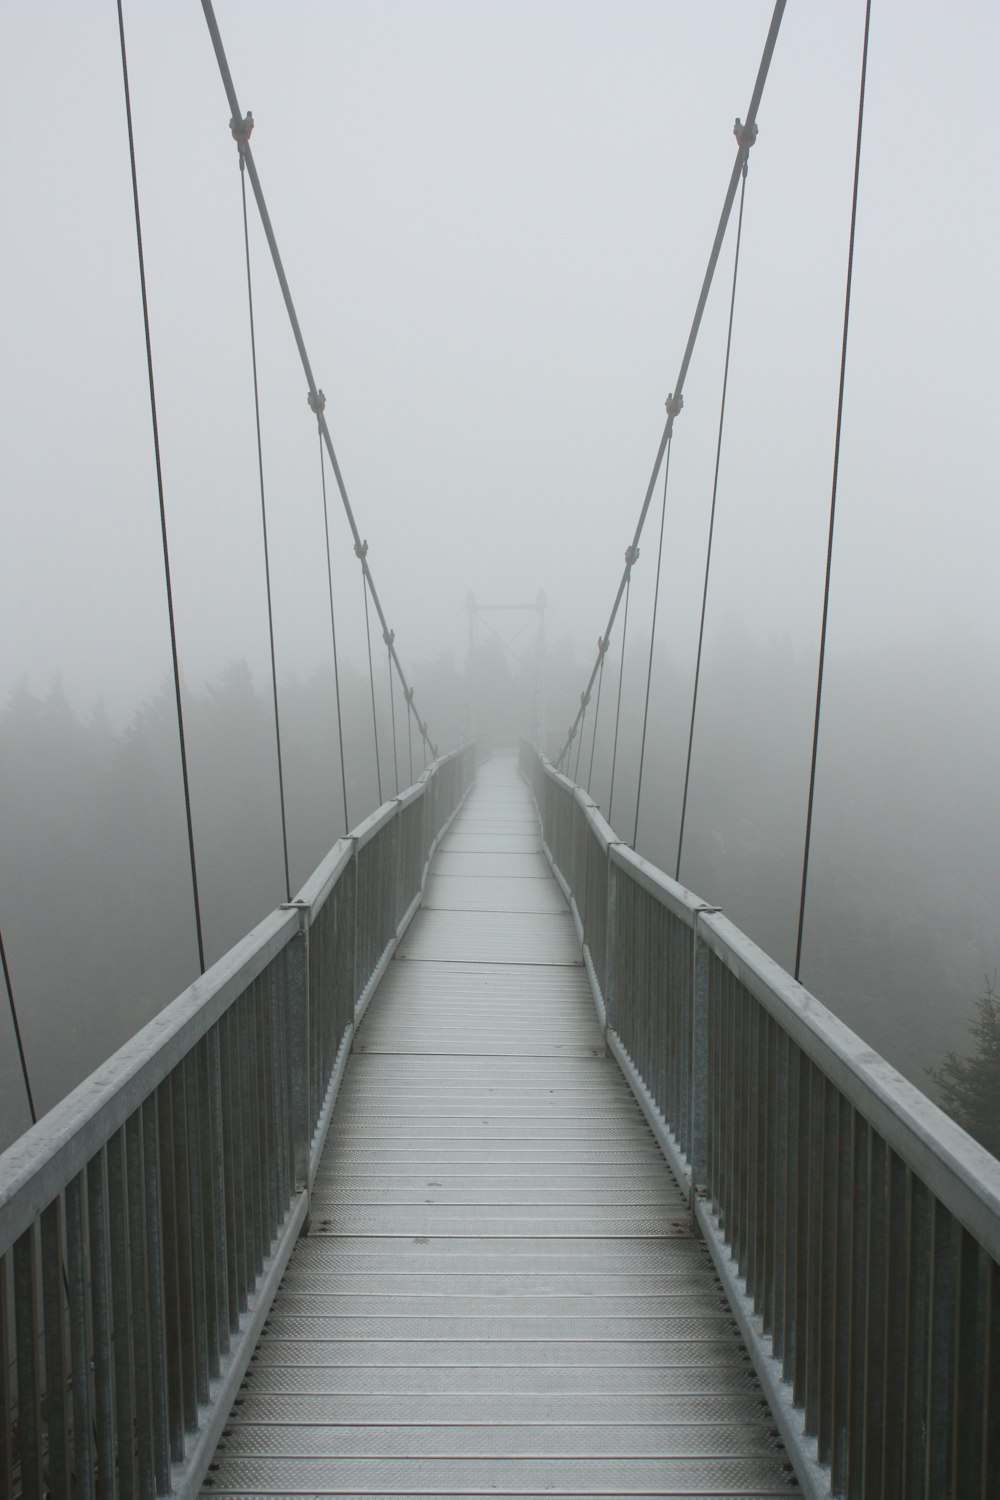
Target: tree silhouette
x,y
970,1086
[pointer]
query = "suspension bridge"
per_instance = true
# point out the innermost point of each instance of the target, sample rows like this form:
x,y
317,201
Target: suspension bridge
x,y
494,1160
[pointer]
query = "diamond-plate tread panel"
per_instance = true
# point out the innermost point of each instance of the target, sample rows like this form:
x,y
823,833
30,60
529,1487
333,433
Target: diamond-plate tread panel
x,y
733,1377
403,1305
731,1440
500,1256
660,1476
453,892
466,1222
327,1197
510,1327
579,1285
455,1408
481,984
618,1178
541,1352
491,937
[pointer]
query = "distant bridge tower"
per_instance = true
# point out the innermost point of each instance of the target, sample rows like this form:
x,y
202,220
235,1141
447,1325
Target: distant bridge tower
x,y
485,713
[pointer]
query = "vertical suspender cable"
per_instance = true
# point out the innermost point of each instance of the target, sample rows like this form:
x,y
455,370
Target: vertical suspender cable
x,y
333,620
392,710
163,513
241,143
652,639
579,746
371,671
711,529
631,558
409,732
17,1034
602,648
833,495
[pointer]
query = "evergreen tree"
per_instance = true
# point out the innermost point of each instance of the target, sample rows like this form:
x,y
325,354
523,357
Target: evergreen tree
x,y
970,1086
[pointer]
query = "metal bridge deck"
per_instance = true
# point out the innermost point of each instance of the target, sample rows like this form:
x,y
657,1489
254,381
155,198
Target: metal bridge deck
x,y
500,1292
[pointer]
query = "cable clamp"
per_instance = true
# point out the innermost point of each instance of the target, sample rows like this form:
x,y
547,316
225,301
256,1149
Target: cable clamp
x,y
361,550
572,733
317,402
584,700
242,131
602,646
746,135
631,556
674,405
388,636
409,695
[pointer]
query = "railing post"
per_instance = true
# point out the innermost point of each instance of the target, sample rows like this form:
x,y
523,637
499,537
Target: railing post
x,y
299,1027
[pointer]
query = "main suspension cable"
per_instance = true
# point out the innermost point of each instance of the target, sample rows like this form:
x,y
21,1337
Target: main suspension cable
x,y
631,558
711,528
833,495
361,551
745,134
241,140
163,512
242,120
17,1034
652,640
321,402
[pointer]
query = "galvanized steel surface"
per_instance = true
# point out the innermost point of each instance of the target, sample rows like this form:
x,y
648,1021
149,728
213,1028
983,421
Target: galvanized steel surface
x,y
500,1290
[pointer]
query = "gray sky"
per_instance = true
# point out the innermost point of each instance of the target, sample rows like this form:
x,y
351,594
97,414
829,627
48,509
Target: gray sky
x,y
494,218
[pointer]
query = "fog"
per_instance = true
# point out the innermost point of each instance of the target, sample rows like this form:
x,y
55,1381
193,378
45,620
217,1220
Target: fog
x,y
495,219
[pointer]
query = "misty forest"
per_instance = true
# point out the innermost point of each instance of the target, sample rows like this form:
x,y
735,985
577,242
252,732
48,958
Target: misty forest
x,y
900,941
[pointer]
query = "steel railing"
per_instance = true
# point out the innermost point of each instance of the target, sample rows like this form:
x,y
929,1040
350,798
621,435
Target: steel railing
x,y
146,1221
855,1227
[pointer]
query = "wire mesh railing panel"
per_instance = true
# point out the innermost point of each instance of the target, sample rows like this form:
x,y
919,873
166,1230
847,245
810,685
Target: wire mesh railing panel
x,y
332,989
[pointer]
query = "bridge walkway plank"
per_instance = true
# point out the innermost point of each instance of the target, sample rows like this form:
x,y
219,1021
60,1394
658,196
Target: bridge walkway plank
x,y
500,1292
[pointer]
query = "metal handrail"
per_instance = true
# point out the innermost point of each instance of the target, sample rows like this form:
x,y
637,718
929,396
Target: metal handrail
x,y
855,1227
146,1221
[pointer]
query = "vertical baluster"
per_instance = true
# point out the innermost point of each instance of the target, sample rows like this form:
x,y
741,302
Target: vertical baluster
x,y
842,1298
82,1467
120,1262
757,1271
767,1299
815,1229
206,1334
192,1287
875,1321
221,1173
970,1366
991,1389
189,1328
139,1306
802,1158
171,1256
100,1312
237,1085
7,1397
894,1384
54,1343
827,1351
944,1305
153,1213
791,1214
856,1394
29,1393
780,1239
752,1147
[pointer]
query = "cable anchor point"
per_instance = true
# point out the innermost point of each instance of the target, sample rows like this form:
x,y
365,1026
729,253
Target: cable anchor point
x,y
242,131
745,135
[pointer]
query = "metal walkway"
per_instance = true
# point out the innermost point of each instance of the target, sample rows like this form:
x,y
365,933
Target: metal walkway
x,y
500,1292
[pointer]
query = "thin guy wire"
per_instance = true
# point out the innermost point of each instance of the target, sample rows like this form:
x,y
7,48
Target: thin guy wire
x,y
163,512
392,714
618,709
333,632
711,530
597,715
17,1033
652,638
833,496
263,520
579,747
409,735
371,681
